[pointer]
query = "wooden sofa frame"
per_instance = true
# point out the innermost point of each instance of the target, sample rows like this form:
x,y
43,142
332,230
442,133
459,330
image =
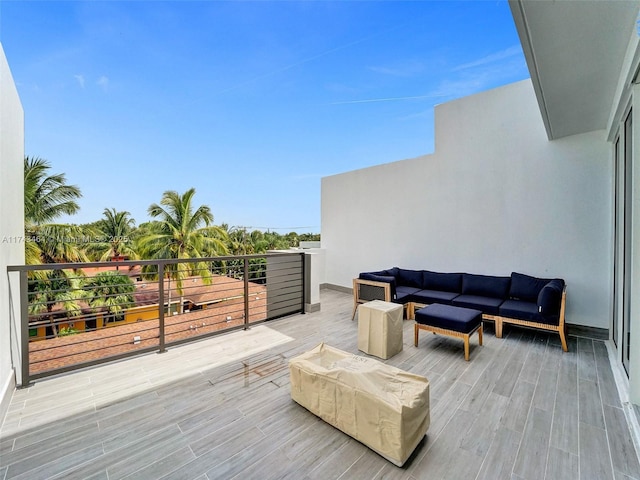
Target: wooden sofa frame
x,y
367,290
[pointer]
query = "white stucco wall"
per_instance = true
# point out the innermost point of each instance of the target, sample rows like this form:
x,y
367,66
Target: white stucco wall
x,y
11,211
495,197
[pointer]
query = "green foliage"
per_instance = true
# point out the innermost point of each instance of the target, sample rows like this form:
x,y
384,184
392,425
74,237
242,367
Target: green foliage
x,y
110,290
178,229
112,236
55,290
47,197
66,331
182,232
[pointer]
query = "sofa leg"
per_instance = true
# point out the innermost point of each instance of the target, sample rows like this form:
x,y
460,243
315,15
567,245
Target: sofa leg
x,y
416,329
563,340
480,334
353,315
466,347
498,322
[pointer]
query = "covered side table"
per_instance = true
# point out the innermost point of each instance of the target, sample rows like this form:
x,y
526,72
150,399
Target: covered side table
x,y
380,328
384,407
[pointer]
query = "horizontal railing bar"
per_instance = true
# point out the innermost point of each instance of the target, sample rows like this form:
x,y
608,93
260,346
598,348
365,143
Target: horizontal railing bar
x,y
97,361
247,289
165,261
44,349
84,352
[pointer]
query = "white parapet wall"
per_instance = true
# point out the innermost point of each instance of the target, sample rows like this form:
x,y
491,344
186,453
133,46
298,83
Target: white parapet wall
x,y
11,218
496,196
314,277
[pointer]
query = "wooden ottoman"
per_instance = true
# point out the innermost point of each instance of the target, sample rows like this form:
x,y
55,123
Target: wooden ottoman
x,y
449,320
380,328
385,408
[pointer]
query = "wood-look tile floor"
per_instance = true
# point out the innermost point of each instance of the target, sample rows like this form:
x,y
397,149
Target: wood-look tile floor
x,y
520,409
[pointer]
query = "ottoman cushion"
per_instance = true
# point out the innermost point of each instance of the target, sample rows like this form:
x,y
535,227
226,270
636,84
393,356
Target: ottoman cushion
x,y
458,319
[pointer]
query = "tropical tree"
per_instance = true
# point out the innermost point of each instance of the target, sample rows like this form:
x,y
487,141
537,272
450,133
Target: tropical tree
x,y
57,288
113,236
46,198
111,291
241,241
183,232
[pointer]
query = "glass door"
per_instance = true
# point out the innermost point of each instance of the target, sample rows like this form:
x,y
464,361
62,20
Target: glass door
x,y
626,240
616,243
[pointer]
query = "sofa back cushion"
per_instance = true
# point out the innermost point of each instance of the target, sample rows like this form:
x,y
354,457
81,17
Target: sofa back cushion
x,y
550,297
409,278
393,272
444,282
525,287
377,277
485,285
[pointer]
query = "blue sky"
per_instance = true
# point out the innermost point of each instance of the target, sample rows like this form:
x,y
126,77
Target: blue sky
x,y
250,102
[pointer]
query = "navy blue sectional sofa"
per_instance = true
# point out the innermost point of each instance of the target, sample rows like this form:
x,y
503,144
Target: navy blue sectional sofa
x,y
518,299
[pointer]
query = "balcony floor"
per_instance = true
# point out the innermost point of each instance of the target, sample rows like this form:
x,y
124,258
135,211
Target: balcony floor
x,y
520,409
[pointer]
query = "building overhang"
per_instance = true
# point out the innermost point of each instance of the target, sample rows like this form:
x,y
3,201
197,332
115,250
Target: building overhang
x,y
575,50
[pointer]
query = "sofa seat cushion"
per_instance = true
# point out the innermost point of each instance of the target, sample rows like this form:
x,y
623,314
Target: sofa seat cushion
x,y
433,296
405,294
488,305
527,311
485,286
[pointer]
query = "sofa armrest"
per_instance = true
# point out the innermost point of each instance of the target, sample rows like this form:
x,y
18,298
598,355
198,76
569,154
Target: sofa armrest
x,y
550,298
367,290
563,303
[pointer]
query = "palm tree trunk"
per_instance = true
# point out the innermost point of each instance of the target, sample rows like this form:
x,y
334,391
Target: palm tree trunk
x,y
54,327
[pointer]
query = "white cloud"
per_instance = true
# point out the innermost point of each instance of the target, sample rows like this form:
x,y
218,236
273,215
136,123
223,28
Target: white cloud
x,y
80,80
103,82
403,69
494,57
389,99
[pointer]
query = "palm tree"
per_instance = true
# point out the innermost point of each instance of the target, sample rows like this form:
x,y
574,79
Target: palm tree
x,y
111,291
236,243
114,232
183,232
57,288
46,198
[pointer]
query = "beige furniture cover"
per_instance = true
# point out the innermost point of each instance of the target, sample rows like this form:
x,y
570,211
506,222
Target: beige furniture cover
x,y
381,406
380,328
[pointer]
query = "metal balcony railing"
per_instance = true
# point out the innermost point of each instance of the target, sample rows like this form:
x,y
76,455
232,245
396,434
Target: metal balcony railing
x,y
80,314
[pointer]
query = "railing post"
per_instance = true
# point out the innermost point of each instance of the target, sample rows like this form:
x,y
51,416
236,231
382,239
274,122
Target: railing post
x,y
24,329
246,293
303,274
161,340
